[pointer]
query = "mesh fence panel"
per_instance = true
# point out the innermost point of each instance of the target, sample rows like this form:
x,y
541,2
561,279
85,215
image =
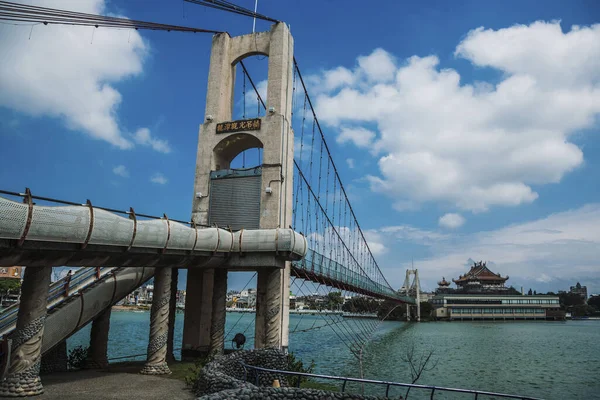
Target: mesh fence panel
x,y
14,218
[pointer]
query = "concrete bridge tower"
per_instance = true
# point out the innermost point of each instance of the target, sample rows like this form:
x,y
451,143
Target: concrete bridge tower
x,y
257,198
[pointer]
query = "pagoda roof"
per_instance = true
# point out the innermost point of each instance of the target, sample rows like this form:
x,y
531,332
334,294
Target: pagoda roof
x,y
480,272
443,282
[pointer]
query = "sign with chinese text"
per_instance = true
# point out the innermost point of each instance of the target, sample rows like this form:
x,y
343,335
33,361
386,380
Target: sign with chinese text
x,y
237,126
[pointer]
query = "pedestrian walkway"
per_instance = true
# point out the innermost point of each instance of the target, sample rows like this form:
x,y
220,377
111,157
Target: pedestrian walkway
x,y
115,384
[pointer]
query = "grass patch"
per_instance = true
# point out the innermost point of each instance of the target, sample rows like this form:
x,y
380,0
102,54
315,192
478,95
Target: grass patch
x,y
180,370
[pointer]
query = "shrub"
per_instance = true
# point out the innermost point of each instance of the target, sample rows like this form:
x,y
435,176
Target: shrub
x,y
77,357
192,377
296,365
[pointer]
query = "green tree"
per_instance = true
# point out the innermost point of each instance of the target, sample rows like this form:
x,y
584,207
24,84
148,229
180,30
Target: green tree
x,y
8,286
570,300
334,300
426,309
594,301
361,305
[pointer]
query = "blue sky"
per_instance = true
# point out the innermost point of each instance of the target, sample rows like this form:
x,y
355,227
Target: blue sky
x,y
467,143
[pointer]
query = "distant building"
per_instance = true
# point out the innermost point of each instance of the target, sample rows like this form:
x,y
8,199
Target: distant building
x,y
11,272
479,279
580,290
10,296
426,296
482,295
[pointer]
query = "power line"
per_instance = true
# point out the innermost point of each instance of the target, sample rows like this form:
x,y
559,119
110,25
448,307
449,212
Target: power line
x,y
42,15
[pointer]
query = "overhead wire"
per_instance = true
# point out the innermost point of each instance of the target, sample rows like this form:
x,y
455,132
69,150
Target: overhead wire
x,y
17,12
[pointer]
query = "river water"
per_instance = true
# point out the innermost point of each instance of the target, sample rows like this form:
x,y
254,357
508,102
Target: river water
x,y
551,360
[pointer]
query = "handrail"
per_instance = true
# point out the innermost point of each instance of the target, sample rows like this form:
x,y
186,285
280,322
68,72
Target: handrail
x,y
329,268
57,291
388,384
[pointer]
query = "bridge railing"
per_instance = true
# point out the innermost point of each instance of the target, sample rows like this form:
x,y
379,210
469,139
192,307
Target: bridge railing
x,y
82,278
324,266
387,384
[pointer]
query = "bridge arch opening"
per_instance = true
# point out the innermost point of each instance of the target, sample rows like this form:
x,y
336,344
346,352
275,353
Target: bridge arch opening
x,y
250,71
241,150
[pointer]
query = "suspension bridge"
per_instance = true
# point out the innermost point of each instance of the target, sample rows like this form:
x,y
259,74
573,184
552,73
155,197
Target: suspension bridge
x,y
288,218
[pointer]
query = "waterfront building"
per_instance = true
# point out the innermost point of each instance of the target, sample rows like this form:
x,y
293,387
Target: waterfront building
x,y
10,288
426,296
11,272
482,295
580,290
480,279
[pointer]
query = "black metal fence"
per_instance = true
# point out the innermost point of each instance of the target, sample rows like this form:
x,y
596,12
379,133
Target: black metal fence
x,y
431,389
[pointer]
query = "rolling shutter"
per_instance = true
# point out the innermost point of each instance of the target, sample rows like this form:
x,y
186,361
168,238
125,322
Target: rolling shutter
x,y
235,199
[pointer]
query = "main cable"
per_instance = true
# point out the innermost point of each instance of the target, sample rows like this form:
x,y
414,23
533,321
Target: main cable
x,y
10,11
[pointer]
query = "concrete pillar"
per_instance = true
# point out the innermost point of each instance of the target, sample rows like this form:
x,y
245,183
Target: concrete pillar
x,y
156,363
219,303
198,314
269,304
407,312
23,377
285,316
172,314
97,354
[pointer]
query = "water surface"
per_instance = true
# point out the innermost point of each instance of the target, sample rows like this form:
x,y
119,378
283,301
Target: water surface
x,y
552,360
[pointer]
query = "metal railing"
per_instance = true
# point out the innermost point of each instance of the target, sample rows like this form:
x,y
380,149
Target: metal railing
x,y
323,266
387,384
59,290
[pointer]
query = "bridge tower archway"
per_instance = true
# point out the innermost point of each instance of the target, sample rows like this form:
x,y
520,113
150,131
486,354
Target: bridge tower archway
x,y
220,140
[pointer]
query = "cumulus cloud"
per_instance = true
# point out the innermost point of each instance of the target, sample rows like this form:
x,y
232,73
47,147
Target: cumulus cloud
x,y
142,136
121,171
451,221
350,162
472,145
361,137
158,178
59,73
375,242
549,252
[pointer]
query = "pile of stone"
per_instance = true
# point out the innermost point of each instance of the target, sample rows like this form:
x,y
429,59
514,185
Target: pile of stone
x,y
226,378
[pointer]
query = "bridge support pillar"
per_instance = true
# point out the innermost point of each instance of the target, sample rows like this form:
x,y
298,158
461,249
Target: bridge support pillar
x,y
198,313
97,354
23,377
172,314
271,313
156,363
219,303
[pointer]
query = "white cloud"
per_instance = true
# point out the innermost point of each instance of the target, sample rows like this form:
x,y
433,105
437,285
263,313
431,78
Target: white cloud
x,y
121,171
350,162
59,73
361,137
562,247
251,99
476,145
159,178
379,66
451,221
411,234
375,242
142,136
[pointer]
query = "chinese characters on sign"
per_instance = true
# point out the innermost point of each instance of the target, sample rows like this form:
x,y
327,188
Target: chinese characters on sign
x,y
236,126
